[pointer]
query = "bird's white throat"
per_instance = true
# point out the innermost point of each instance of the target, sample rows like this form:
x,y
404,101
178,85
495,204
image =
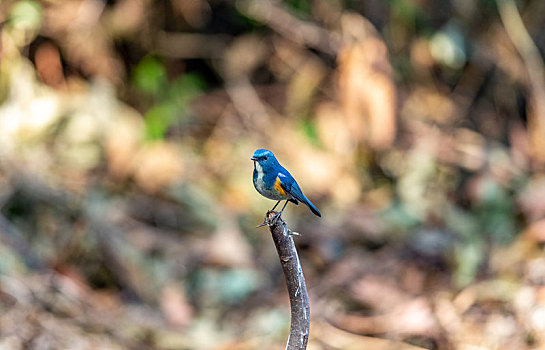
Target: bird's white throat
x,y
259,168
259,181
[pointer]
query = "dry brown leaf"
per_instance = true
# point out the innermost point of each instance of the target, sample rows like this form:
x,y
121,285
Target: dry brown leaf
x,y
379,292
157,165
244,55
85,44
429,105
411,317
308,76
228,247
520,145
195,12
127,16
509,259
332,129
469,147
367,91
122,143
336,338
532,199
175,305
395,310
536,231
421,57
49,65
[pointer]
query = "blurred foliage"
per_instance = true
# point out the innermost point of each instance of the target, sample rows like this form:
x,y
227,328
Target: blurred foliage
x,y
26,15
127,210
171,99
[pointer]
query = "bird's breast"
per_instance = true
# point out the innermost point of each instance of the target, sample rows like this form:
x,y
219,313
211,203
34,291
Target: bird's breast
x,y
268,190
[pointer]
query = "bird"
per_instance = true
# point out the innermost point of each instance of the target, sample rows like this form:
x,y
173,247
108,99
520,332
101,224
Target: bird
x,y
273,181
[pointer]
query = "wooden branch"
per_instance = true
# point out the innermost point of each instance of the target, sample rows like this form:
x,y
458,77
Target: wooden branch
x,y
282,21
533,62
295,281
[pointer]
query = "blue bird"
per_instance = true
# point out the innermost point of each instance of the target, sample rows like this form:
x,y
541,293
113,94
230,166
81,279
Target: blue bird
x,y
272,181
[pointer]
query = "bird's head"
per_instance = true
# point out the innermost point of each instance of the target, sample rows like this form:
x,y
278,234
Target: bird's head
x,y
264,158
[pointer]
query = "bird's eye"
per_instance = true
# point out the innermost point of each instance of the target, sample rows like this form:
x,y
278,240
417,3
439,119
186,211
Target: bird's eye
x,y
265,158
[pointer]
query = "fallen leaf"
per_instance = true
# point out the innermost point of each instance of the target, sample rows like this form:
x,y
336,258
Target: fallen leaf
x,y
175,305
157,165
228,246
49,65
367,91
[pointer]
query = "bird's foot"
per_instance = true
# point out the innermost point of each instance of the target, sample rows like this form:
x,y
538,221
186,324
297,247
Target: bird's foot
x,y
275,218
270,218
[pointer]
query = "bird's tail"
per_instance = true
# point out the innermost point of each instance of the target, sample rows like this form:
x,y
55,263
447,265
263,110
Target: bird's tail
x,y
312,208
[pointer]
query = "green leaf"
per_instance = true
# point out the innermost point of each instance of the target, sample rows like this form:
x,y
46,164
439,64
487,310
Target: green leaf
x,y
308,128
26,15
158,119
150,76
469,257
496,212
186,88
302,6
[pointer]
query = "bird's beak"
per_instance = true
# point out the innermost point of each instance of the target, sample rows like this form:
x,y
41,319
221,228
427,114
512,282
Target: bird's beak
x,y
253,158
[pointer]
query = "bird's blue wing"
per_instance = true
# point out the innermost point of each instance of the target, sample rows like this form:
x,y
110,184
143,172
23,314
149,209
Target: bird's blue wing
x,y
291,187
286,181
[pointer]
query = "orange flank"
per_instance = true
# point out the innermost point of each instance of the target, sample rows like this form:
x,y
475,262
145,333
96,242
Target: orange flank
x,y
278,186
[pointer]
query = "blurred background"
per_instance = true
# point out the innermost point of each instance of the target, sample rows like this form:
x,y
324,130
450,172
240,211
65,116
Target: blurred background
x,y
127,210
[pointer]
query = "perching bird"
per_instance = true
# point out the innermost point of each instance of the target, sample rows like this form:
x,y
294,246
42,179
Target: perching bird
x,y
272,181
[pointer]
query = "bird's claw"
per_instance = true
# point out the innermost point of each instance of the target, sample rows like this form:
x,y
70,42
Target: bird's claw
x,y
275,218
270,220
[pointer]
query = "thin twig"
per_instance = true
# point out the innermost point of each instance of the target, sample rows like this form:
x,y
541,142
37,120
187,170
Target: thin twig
x,y
295,281
185,46
282,21
533,61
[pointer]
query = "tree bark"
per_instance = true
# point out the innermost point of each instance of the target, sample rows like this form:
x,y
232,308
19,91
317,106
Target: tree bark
x,y
295,281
